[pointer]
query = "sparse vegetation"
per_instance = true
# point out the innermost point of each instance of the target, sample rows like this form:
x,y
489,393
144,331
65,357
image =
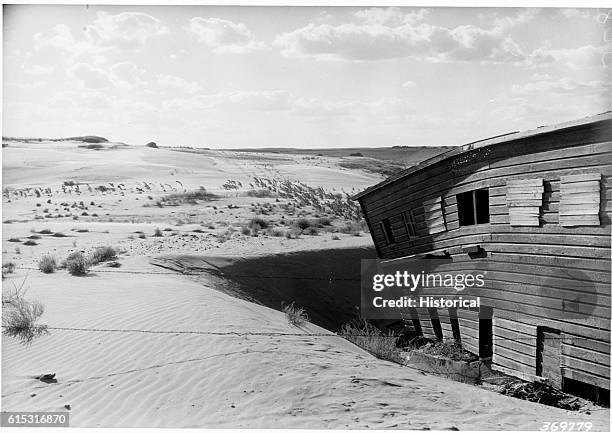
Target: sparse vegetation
x,y
47,264
7,268
258,223
190,197
76,264
102,254
260,193
30,243
365,335
19,316
158,233
295,315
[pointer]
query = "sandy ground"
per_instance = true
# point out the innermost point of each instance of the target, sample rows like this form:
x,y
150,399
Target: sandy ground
x,y
182,379
170,350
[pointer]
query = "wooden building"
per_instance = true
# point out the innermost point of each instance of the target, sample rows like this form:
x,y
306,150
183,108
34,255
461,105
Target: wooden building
x,y
532,210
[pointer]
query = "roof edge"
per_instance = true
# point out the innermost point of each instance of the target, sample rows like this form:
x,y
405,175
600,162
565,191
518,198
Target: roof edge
x,y
490,141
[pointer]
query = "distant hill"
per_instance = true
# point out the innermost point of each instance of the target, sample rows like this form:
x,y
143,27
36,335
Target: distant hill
x,y
83,138
407,155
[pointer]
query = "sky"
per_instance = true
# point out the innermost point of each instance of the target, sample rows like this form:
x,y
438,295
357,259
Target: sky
x,y
309,77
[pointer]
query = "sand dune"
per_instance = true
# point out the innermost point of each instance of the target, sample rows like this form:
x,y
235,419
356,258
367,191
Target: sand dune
x,y
178,379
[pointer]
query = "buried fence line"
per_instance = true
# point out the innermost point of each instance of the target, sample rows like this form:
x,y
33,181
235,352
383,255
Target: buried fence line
x,y
254,334
187,272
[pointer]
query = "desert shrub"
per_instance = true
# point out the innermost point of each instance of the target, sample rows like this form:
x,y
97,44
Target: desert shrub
x,y
19,317
353,228
449,350
277,233
293,233
102,254
142,236
167,229
59,235
311,231
45,232
295,315
7,268
76,264
47,264
356,154
302,223
158,233
365,335
30,243
258,223
225,236
34,237
17,250
151,144
323,221
14,240
189,197
260,193
245,230
82,230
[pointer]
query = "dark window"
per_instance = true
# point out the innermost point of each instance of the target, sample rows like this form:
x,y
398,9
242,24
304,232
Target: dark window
x,y
385,226
473,207
409,223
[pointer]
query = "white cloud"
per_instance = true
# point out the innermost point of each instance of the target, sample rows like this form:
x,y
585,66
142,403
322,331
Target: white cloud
x,y
89,76
408,84
265,100
392,33
563,85
126,75
391,16
37,69
385,107
126,30
224,36
177,83
588,56
576,13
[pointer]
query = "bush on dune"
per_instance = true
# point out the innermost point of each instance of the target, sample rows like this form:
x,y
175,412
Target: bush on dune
x,y
76,264
365,335
102,254
47,264
19,316
296,316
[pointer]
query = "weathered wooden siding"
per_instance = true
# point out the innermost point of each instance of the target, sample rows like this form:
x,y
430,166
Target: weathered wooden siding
x,y
529,268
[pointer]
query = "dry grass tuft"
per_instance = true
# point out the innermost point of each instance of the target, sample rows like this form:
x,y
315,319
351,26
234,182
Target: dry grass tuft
x,y
19,316
295,315
76,264
365,335
47,264
102,254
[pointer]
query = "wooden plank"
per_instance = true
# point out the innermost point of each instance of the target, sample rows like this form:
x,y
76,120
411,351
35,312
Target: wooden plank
x,y
523,358
586,366
514,326
587,377
525,183
575,221
585,354
524,202
511,364
583,177
525,347
549,347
